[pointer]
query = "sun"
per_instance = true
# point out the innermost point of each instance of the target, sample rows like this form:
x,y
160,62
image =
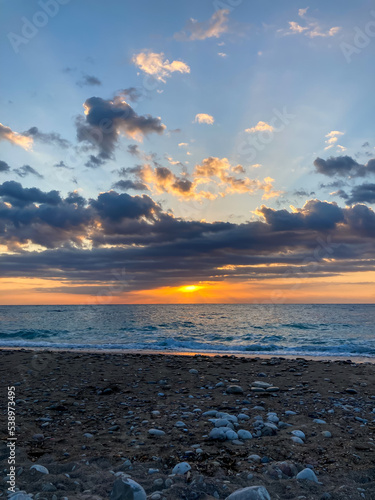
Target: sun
x,y
190,288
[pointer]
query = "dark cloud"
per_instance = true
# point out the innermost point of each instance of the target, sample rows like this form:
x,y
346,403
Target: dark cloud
x,y
133,149
344,166
50,138
27,170
4,167
62,164
364,193
157,249
303,193
14,193
125,185
89,81
114,206
105,120
94,162
132,94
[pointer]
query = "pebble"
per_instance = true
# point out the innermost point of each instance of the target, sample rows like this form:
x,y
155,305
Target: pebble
x,y
290,413
299,434
156,432
244,435
326,434
234,389
127,489
319,421
181,468
193,370
40,468
308,475
250,493
297,440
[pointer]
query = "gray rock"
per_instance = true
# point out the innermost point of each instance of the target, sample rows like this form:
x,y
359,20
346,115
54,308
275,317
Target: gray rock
x,y
48,487
243,434
234,389
297,440
40,468
299,434
181,468
308,475
243,416
250,493
231,435
193,370
218,433
319,421
326,434
254,458
127,489
262,385
222,422
156,432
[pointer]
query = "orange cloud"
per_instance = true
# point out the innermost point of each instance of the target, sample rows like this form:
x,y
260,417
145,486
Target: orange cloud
x,y
8,134
155,65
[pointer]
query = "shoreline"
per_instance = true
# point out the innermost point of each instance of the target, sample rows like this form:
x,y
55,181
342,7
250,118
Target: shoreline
x,y
223,354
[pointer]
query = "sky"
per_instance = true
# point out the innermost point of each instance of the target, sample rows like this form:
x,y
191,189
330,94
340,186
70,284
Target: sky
x,y
187,152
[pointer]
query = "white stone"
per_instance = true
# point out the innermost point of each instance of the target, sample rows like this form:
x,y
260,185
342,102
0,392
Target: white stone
x,y
299,434
297,440
307,474
156,432
40,468
126,488
250,493
181,468
230,435
243,434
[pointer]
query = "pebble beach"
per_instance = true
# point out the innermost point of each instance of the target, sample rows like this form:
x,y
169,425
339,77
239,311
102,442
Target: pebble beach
x,y
160,426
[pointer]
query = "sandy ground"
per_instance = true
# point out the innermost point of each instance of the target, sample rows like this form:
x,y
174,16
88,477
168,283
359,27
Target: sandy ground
x,y
86,417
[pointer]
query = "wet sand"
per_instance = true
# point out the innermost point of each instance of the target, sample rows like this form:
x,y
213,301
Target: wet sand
x,y
86,417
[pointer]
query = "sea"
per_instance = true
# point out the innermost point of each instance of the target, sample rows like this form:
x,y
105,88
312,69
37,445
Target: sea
x,y
311,330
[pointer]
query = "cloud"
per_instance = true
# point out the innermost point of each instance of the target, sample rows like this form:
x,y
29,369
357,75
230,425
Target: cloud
x,y
364,193
332,138
155,65
260,127
13,193
106,120
62,164
204,118
50,138
126,185
212,178
302,12
216,26
131,94
344,166
89,81
4,167
312,28
222,54
133,149
94,162
87,241
27,170
183,145
6,133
